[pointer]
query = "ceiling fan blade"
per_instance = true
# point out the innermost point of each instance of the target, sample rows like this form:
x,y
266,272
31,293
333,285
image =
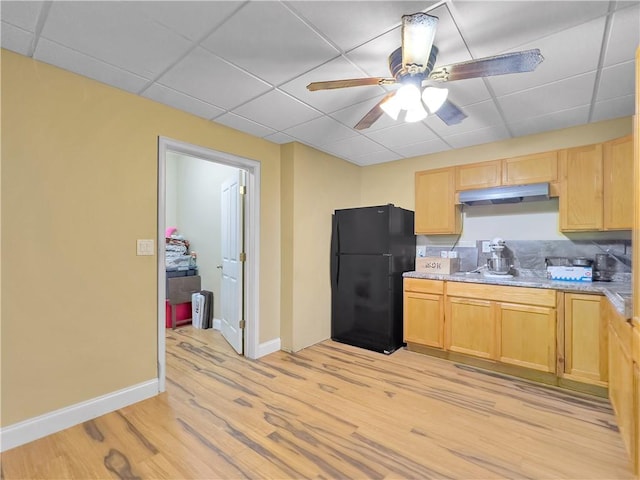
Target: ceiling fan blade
x,y
516,62
374,114
450,114
418,32
351,82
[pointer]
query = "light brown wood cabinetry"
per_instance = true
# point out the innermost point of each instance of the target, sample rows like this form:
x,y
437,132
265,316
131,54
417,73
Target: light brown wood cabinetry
x,y
581,183
478,175
435,209
618,183
527,336
621,375
424,312
535,168
585,338
470,327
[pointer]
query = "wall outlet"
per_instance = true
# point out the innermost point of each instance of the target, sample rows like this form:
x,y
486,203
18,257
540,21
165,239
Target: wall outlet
x,y
453,254
421,251
485,246
444,254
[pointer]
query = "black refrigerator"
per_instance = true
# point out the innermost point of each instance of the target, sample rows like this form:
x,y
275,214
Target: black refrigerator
x,y
370,249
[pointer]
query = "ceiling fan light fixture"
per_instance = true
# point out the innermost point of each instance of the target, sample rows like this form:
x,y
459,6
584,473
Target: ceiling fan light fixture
x,y
434,98
415,113
391,107
408,96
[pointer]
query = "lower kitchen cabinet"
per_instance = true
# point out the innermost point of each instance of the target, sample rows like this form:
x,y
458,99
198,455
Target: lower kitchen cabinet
x,y
470,327
527,336
621,375
424,312
585,338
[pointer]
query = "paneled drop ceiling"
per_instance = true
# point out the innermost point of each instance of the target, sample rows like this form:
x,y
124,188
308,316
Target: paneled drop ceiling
x,y
246,64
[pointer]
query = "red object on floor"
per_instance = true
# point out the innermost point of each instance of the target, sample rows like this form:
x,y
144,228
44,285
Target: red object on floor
x,y
183,314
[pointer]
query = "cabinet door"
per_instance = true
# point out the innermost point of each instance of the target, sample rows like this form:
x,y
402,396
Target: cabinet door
x,y
436,211
470,327
424,319
618,184
621,387
585,339
478,175
527,336
581,188
536,168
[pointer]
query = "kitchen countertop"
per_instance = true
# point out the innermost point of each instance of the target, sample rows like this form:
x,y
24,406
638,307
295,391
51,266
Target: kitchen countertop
x,y
618,292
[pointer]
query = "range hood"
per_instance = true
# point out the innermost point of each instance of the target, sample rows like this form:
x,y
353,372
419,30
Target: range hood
x,y
509,194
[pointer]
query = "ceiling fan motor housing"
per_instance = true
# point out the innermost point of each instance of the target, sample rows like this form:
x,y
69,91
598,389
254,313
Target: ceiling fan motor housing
x,y
402,75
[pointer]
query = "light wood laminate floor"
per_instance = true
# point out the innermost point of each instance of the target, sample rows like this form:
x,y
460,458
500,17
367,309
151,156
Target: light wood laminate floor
x,y
332,411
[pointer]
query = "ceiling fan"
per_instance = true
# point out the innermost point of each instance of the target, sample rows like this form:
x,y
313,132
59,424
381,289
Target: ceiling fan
x,y
412,67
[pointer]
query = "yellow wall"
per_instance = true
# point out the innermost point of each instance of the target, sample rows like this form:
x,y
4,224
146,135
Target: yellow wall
x,y
79,186
393,182
315,185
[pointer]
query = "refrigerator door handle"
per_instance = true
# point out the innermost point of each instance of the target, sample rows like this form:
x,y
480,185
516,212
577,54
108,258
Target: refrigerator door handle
x,y
335,249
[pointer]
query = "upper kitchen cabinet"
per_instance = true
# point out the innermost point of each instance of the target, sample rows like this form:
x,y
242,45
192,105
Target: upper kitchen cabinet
x,y
435,209
478,175
618,183
581,185
535,168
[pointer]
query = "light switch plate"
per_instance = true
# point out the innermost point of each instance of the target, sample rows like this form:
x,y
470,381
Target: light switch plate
x,y
145,247
485,246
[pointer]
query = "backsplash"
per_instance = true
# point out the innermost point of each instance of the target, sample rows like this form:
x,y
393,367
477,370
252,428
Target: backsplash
x,y
530,254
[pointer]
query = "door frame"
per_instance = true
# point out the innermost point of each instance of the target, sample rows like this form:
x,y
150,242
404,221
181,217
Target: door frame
x,y
252,241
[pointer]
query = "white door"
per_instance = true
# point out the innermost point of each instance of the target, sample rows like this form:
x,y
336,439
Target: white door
x,y
231,290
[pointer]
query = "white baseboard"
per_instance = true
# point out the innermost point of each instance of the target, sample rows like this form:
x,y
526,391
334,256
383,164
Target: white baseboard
x,y
217,324
43,425
268,347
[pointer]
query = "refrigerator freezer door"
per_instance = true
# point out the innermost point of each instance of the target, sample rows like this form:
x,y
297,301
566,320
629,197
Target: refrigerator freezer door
x,y
363,230
362,311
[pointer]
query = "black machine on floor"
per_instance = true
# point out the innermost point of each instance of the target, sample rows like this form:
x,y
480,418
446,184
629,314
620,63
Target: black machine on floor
x,y
370,249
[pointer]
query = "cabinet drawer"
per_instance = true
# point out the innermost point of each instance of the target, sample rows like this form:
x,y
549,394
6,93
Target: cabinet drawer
x,y
529,296
180,289
421,285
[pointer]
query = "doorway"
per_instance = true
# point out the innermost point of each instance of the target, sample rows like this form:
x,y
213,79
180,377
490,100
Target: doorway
x,y
166,149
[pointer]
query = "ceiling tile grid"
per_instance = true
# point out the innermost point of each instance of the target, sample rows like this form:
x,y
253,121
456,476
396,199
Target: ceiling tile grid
x,y
246,64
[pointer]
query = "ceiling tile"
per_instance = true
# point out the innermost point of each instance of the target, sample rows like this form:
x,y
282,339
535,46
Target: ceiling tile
x,y
401,134
552,121
613,108
374,158
494,27
352,147
16,39
567,53
479,115
494,133
21,14
617,81
183,102
466,92
115,33
279,138
562,95
320,131
190,19
76,62
349,24
624,36
332,100
422,148
451,46
244,125
279,47
373,56
206,77
278,110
